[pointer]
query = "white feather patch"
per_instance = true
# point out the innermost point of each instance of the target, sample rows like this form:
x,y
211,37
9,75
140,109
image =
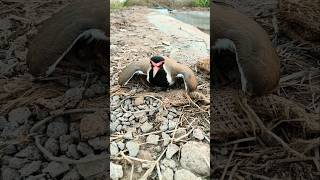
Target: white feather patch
x,y
137,72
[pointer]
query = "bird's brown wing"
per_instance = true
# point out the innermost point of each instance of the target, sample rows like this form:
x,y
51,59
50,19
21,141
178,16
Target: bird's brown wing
x,y
181,70
59,33
137,67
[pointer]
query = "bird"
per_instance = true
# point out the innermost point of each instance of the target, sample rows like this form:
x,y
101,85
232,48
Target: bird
x,y
161,71
78,33
243,51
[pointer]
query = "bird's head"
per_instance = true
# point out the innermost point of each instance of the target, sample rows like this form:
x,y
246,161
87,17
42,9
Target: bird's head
x,y
156,64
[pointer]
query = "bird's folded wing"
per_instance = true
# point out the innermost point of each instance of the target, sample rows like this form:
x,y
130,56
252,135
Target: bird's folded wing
x,y
137,67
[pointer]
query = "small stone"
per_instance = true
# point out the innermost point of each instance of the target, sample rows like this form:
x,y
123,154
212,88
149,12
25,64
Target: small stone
x,y
93,125
146,127
139,101
172,149
3,122
184,174
17,163
9,149
153,139
55,169
30,168
180,132
57,128
98,143
115,171
75,131
65,141
9,174
163,127
172,125
169,116
84,149
169,163
128,135
121,145
139,115
31,152
158,149
166,139
92,168
116,98
19,115
72,152
52,146
119,128
195,156
72,175
143,120
133,148
168,174
114,149
198,134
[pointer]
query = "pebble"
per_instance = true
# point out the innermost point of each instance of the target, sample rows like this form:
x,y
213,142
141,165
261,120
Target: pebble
x,y
180,132
65,141
75,131
19,115
139,115
143,120
52,146
167,174
9,149
153,139
121,145
72,152
158,149
114,149
93,125
93,168
119,127
115,171
169,163
9,174
114,125
30,168
133,148
163,127
128,135
172,125
71,175
169,116
31,152
98,143
198,134
184,174
55,168
172,149
139,101
57,128
17,163
84,149
195,157
146,127
3,122
166,138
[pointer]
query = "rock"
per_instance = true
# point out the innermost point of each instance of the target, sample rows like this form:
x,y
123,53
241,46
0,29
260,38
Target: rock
x,y
146,127
115,171
57,128
169,163
133,148
3,122
92,168
55,169
164,127
37,177
172,125
93,125
72,152
158,149
72,175
31,152
167,174
98,143
146,155
119,128
198,134
139,115
19,115
195,156
52,146
143,119
128,135
9,149
139,101
30,168
121,145
85,149
75,131
172,149
113,149
11,130
114,125
166,138
169,116
17,163
9,174
180,132
184,174
5,160
65,141
153,139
